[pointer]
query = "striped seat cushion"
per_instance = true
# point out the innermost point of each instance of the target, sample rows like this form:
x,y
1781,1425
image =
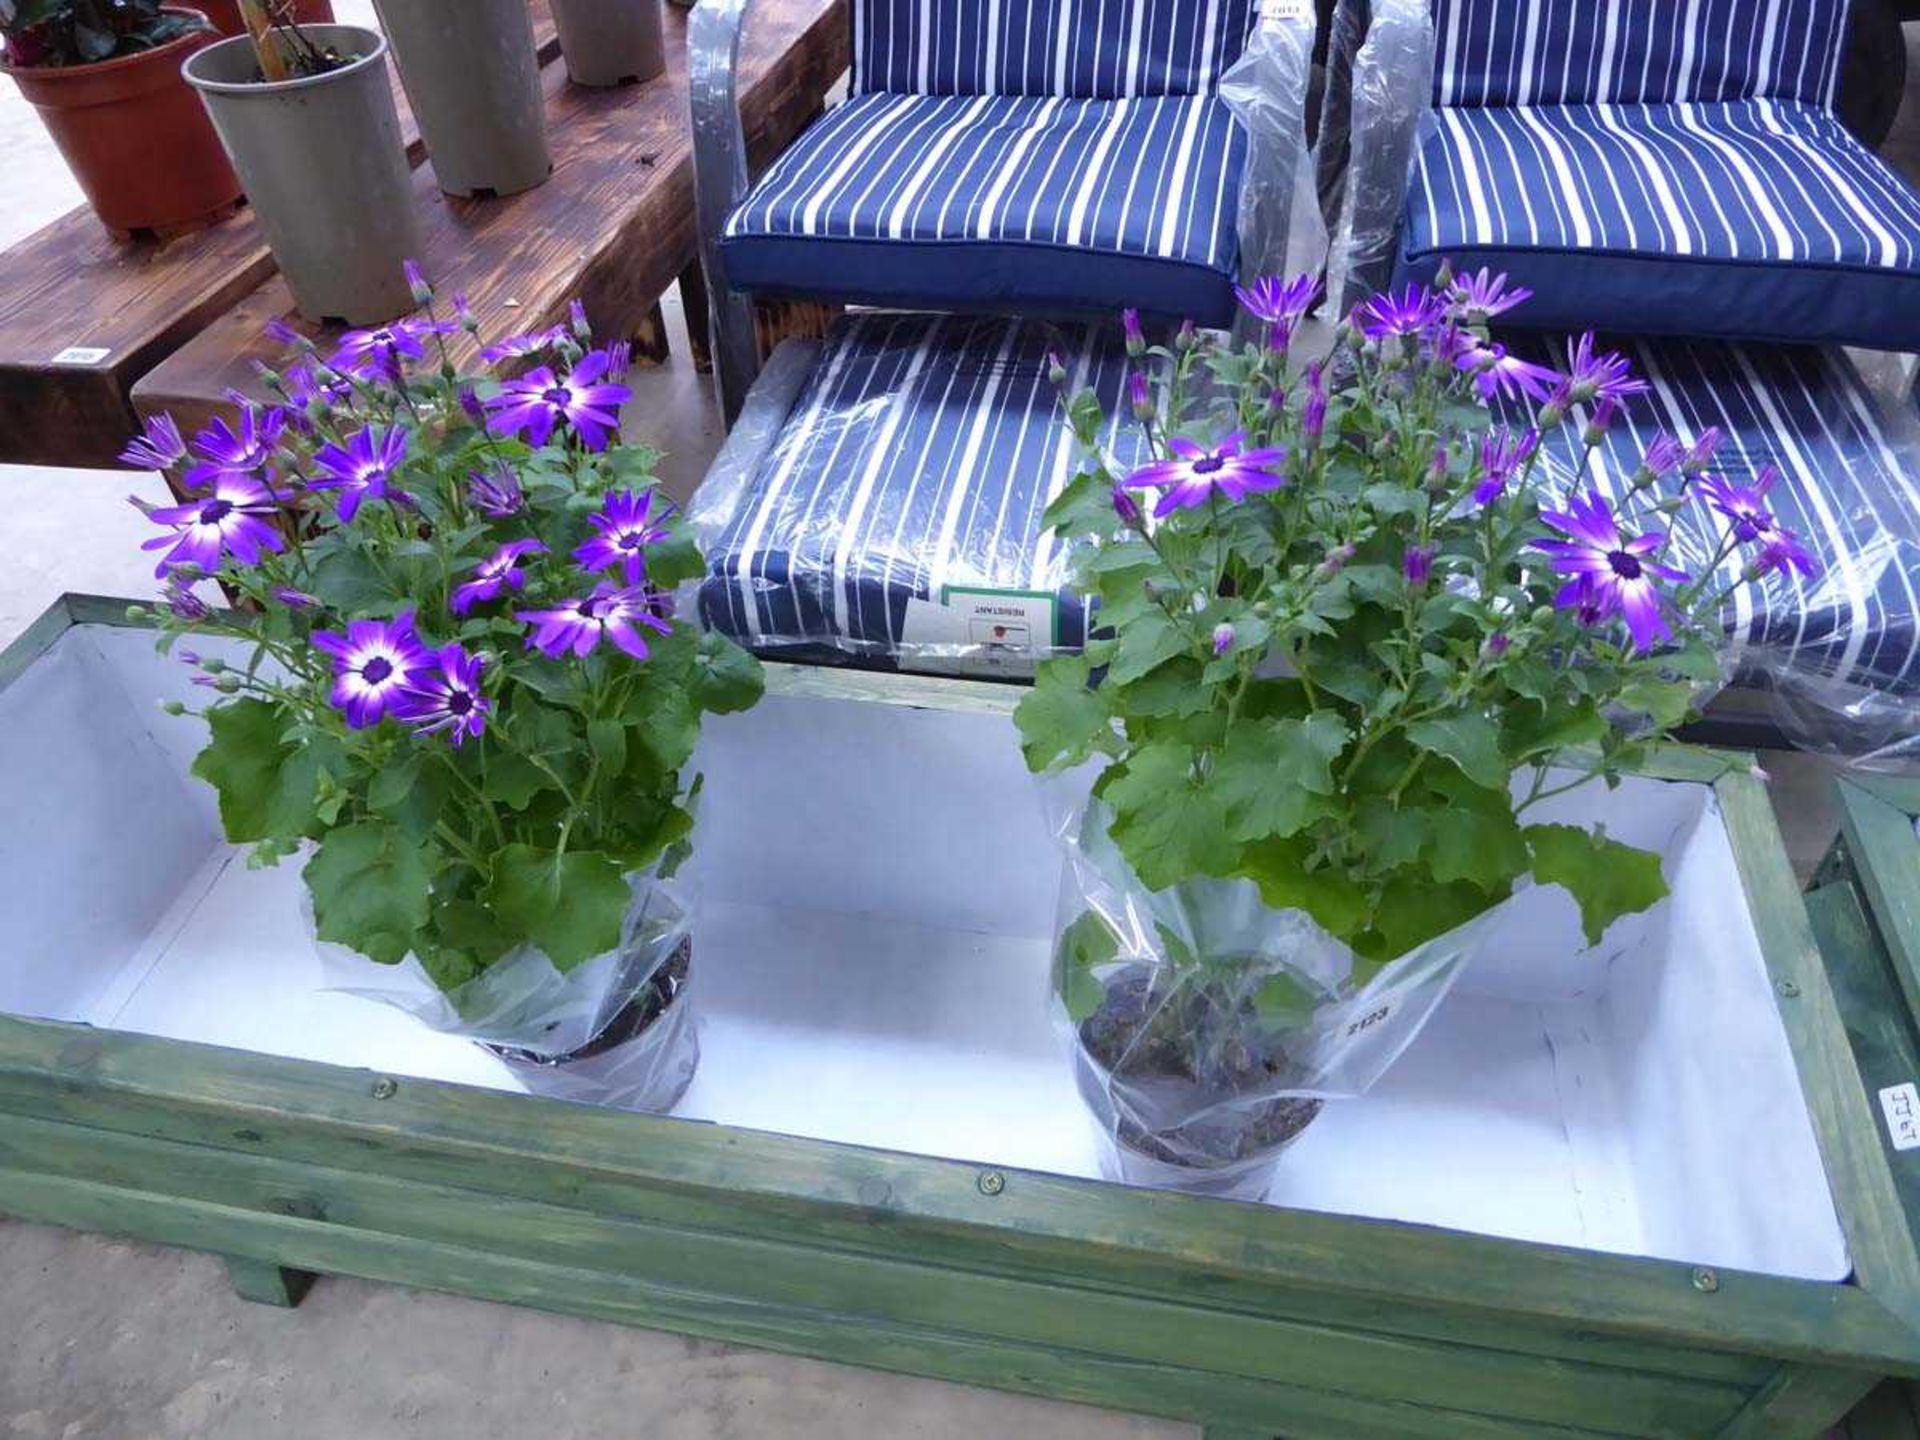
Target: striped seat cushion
x,y
1091,49
1598,52
920,455
975,202
1752,219
1849,490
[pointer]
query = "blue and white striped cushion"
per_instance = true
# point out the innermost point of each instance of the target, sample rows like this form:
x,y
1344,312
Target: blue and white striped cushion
x,y
1567,52
1005,202
1756,219
1090,49
1846,492
921,455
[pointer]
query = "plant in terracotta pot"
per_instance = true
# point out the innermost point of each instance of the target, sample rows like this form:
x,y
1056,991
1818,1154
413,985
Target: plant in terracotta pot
x,y
308,116
1350,637
455,686
104,76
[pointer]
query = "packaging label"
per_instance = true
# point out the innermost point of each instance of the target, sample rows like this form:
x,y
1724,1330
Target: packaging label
x,y
1900,1104
976,631
1275,13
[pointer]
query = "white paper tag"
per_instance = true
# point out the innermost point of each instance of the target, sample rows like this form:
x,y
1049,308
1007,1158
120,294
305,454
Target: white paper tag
x,y
1002,633
1900,1104
81,355
1275,13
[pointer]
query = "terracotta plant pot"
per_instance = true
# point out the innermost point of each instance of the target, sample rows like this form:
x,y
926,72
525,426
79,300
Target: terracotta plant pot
x,y
136,137
473,77
610,42
225,14
325,170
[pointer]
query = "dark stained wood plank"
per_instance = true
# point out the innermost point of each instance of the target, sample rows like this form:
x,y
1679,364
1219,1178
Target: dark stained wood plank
x,y
614,226
70,285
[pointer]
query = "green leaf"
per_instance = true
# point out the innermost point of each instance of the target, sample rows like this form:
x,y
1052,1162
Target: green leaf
x,y
1061,720
1147,641
346,580
1279,868
514,780
1415,909
1665,702
675,560
268,787
570,905
411,791
1168,825
608,739
1607,879
1170,691
726,678
1390,836
1083,508
1084,945
1469,741
1275,778
371,887
1480,847
1557,726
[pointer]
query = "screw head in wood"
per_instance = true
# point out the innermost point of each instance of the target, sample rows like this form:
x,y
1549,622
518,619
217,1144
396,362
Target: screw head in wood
x,y
992,1182
1788,990
384,1088
1705,1281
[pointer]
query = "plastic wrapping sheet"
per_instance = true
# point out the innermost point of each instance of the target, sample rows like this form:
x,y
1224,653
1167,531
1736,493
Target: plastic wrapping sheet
x,y
1838,654
721,176
618,1029
1267,88
1388,83
1206,1029
896,514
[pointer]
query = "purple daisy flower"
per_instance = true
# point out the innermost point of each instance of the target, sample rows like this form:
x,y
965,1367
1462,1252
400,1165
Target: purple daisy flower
x,y
185,605
1502,454
579,625
383,352
304,386
1279,303
627,525
516,347
1700,455
1194,473
538,401
1496,371
363,469
1744,506
1784,552
1414,311
370,665
224,450
228,521
442,697
1663,457
157,447
1612,574
1484,296
496,494
499,571
1599,376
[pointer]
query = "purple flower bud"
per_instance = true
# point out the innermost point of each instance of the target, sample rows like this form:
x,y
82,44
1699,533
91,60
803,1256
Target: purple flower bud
x,y
1701,454
1437,468
582,331
185,604
1222,638
470,404
1417,564
1136,337
1498,644
497,495
1141,396
1056,368
285,336
417,283
295,599
1125,506
1337,560
464,313
1603,414
1186,337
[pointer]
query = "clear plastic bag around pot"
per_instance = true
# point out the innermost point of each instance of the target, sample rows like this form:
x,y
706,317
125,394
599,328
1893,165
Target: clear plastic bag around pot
x,y
618,1029
1206,1030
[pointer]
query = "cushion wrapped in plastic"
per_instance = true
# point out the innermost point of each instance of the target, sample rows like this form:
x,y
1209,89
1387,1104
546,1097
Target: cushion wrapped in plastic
x,y
914,464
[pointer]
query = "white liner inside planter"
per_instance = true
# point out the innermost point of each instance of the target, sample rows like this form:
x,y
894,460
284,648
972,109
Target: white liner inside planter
x,y
872,964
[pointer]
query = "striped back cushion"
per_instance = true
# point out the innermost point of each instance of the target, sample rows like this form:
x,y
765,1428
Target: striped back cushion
x,y
1077,49
1596,52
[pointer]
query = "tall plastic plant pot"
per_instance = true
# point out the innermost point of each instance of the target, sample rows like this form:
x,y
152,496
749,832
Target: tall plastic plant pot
x,y
610,42
322,161
473,77
135,137
225,14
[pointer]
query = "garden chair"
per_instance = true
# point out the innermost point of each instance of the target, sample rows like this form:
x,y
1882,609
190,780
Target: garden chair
x,y
1049,157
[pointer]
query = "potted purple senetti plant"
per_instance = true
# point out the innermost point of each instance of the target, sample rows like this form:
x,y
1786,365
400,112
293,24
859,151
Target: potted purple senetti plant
x,y
455,684
1350,636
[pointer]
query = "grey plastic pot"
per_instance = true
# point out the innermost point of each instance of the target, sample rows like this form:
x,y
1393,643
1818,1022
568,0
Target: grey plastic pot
x,y
323,165
473,77
609,42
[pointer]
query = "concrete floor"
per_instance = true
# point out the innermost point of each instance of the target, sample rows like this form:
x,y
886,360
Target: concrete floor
x,y
106,1340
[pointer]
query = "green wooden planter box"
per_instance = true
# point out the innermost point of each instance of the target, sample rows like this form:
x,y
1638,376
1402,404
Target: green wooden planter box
x,y
1865,907
1337,1315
